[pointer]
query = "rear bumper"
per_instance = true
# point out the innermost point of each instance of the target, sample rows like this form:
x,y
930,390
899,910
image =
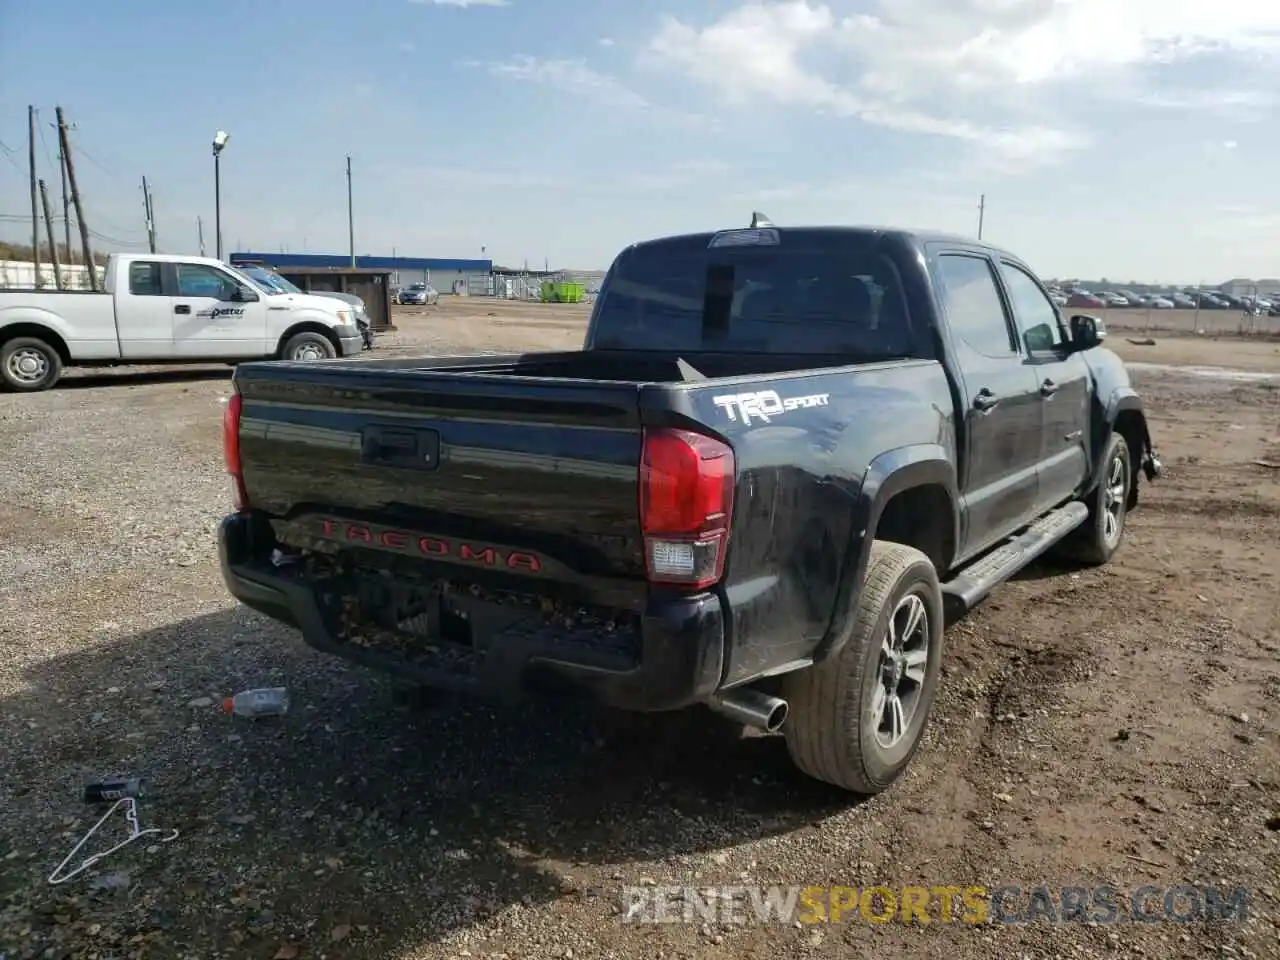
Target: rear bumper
x,y
677,659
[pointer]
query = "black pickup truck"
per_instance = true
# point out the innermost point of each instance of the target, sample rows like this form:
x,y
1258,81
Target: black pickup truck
x,y
782,458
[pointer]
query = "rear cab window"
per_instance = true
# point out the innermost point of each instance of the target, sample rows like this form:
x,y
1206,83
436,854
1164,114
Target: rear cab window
x,y
760,291
144,279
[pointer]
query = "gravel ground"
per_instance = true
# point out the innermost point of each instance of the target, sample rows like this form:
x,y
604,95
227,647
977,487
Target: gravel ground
x,y
1119,726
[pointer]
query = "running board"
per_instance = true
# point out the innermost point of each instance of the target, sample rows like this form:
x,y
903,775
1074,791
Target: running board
x,y
973,584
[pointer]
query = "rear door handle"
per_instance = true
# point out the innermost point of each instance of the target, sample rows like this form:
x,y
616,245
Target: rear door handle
x,y
1048,388
182,308
985,400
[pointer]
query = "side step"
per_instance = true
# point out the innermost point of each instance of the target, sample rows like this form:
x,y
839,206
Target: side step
x,y
973,584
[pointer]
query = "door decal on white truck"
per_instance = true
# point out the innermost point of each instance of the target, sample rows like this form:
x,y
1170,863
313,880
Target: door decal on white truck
x,y
764,404
214,313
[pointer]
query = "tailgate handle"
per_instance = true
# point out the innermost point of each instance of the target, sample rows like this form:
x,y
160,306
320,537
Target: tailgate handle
x,y
390,447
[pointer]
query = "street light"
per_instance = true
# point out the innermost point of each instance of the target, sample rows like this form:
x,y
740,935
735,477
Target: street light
x,y
219,141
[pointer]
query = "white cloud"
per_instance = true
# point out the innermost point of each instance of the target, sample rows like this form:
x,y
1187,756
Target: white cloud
x,y
967,69
463,3
588,86
606,41
1229,145
408,46
572,77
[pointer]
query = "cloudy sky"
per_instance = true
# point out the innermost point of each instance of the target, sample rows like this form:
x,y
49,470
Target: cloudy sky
x,y
1131,139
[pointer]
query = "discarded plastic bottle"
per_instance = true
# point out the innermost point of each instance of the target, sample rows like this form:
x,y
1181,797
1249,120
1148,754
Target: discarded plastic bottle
x,y
262,702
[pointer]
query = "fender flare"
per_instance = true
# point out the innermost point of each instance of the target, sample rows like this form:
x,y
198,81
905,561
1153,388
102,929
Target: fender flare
x,y
1122,400
889,474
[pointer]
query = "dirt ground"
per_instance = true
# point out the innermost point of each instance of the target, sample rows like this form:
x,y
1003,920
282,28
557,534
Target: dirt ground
x,y
1115,727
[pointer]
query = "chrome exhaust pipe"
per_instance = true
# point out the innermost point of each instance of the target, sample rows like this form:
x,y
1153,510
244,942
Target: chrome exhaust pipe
x,y
750,707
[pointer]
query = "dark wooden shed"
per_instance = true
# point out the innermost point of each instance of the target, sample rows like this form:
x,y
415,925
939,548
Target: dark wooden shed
x,y
371,286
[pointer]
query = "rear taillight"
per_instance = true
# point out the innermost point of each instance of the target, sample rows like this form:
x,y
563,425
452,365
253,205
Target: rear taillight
x,y
231,450
686,504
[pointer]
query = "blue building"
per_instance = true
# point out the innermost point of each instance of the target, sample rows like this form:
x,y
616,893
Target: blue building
x,y
447,276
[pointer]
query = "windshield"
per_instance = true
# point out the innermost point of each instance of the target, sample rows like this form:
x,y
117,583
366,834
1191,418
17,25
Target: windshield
x,y
831,295
267,280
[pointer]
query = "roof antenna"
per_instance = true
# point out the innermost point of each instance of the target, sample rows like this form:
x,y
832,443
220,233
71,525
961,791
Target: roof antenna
x,y
759,220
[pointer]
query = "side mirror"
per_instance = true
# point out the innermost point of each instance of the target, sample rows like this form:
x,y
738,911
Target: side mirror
x,y
1087,332
241,295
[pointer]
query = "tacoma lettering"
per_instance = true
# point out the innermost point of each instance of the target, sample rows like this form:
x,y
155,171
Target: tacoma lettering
x,y
404,542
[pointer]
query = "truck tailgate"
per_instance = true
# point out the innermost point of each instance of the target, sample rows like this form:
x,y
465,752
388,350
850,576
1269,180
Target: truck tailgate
x,y
491,478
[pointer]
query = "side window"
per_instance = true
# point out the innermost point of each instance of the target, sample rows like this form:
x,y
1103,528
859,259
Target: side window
x,y
1035,313
974,308
198,280
144,279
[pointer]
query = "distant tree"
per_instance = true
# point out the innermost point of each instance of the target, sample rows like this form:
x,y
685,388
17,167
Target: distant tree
x,y
19,251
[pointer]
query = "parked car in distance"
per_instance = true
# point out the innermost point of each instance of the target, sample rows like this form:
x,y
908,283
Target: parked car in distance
x,y
419,294
781,461
1183,302
165,308
1079,299
1210,301
1160,303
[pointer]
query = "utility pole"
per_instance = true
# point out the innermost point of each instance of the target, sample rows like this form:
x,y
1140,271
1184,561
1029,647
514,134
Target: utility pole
x,y
53,245
66,204
200,231
65,144
351,222
217,201
35,215
151,214
66,201
982,210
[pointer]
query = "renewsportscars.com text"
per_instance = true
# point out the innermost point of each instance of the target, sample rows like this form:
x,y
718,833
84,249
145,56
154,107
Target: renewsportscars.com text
x,y
972,904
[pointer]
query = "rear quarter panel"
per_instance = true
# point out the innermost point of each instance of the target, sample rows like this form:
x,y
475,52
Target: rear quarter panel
x,y
801,508
86,321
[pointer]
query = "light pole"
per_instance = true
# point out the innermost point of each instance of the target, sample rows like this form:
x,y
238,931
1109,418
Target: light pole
x,y
219,141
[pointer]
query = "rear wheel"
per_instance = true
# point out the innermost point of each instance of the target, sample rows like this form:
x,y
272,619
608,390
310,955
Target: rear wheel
x,y
856,719
309,346
28,364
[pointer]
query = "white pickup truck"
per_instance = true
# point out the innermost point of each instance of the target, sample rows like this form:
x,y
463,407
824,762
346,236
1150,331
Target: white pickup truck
x,y
162,308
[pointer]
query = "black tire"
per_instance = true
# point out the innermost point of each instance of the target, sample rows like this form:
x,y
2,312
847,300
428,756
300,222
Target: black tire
x,y
1096,540
28,365
832,731
307,343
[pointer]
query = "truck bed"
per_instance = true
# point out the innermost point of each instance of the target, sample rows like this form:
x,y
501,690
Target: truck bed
x,y
531,454
627,366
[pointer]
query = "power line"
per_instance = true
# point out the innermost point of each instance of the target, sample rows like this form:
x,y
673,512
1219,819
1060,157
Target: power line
x,y
9,155
116,240
92,159
48,157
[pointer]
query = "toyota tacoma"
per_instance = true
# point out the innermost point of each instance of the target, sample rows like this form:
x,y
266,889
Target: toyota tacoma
x,y
783,458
